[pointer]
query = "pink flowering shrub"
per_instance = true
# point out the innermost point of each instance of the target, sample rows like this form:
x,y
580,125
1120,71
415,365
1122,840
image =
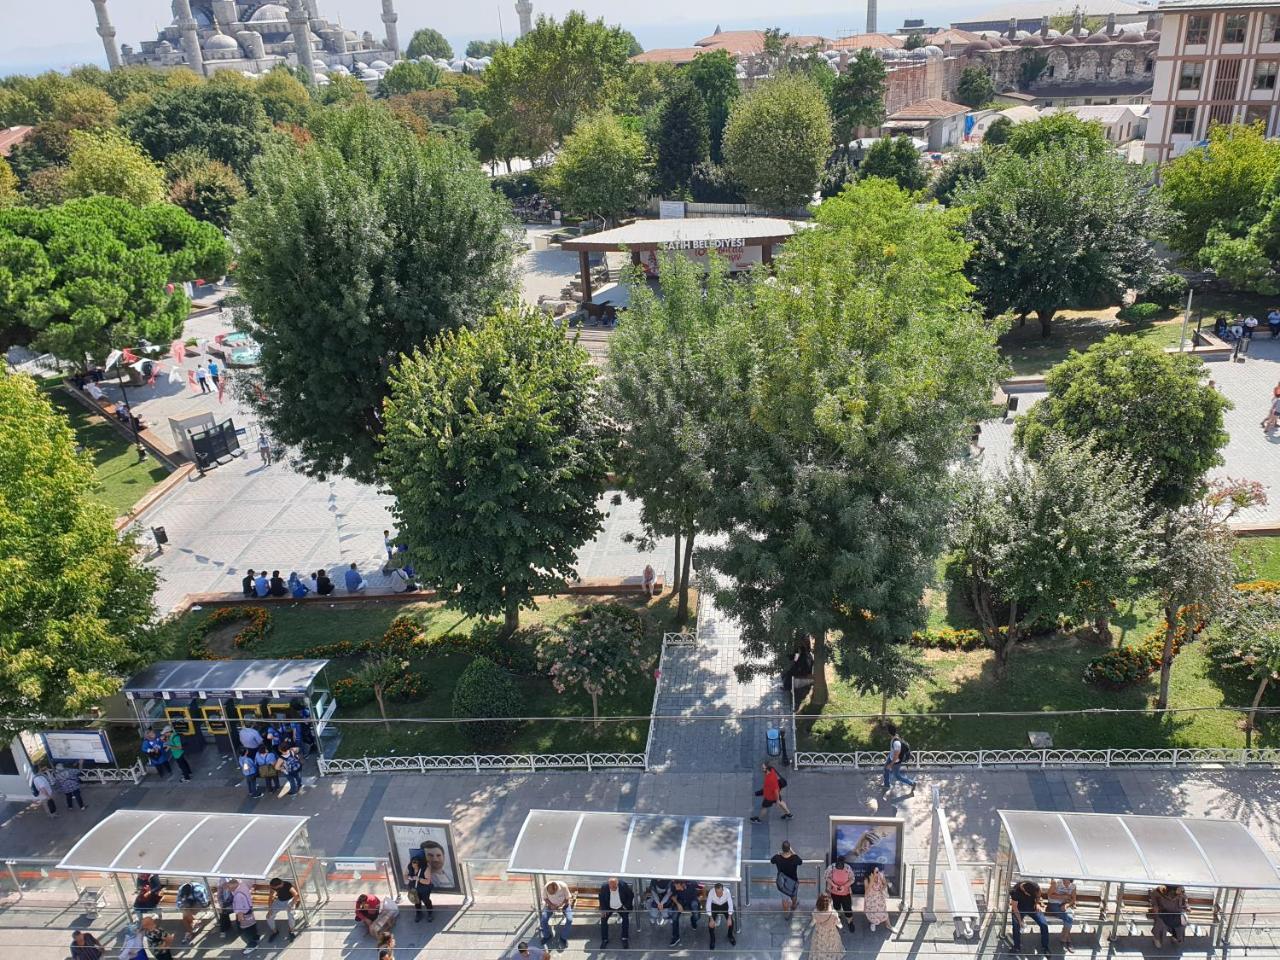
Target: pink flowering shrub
x,y
597,650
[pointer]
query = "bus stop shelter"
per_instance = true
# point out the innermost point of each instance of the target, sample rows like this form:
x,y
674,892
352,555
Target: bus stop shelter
x,y
1128,855
198,846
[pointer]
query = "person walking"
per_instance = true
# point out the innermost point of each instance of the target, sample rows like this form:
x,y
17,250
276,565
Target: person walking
x,y
242,906
787,864
284,897
290,764
1273,321
85,946
899,753
202,378
837,883
1273,410
824,938
42,790
875,902
173,740
1024,901
389,544
157,753
67,780
616,897
556,898
720,911
770,793
264,447
215,372
418,879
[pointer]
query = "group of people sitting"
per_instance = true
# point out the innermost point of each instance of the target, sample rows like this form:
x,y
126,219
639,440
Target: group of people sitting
x,y
1027,899
257,584
1243,328
666,901
379,916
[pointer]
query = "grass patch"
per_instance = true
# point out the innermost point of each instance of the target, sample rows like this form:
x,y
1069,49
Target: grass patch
x,y
122,479
1029,354
297,628
1260,557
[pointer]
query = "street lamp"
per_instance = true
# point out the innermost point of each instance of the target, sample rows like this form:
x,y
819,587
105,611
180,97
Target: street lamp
x,y
133,421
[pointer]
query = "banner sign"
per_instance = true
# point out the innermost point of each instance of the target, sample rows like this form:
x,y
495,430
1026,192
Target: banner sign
x,y
737,258
428,840
869,843
722,243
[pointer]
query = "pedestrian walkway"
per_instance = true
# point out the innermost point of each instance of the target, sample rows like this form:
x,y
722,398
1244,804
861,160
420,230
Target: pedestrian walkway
x,y
698,681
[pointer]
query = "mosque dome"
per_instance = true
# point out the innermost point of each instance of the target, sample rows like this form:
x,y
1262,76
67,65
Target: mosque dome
x,y
269,13
1065,40
379,65
220,41
1035,40
1098,37
932,50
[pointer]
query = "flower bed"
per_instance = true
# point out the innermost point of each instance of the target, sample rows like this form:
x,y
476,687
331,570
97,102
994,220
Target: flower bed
x,y
1125,666
256,627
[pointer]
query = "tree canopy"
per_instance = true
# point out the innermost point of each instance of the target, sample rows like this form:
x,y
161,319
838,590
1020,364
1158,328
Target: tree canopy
x,y
428,42
1058,132
206,189
975,89
715,77
408,76
777,139
89,275
495,453
482,48
895,159
284,97
857,98
75,604
682,139
356,248
1114,392
111,165
602,170
227,121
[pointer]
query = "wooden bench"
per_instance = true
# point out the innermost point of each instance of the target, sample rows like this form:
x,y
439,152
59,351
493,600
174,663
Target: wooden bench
x,y
1091,907
1133,906
587,899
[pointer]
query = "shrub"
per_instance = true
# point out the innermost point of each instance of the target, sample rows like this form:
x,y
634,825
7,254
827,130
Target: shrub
x,y
947,638
401,637
711,183
1120,668
259,622
486,690
355,691
598,649
517,186
1167,290
1140,312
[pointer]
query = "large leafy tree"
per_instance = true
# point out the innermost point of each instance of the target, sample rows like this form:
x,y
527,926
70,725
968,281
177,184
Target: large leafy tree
x,y
408,76
495,453
662,386
849,388
857,99
482,48
428,42
777,140
89,275
895,159
225,120
974,89
681,140
542,84
1115,394
602,170
1061,538
206,189
1247,641
109,164
284,97
1057,132
715,77
356,248
75,604
1059,227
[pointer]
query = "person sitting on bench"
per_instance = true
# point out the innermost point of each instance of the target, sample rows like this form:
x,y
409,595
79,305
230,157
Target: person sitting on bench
x,y
1024,901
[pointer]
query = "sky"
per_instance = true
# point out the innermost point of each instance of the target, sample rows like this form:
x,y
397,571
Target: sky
x,y
60,34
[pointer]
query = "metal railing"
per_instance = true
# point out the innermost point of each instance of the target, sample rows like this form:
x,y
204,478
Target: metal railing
x,y
1060,759
478,763
134,774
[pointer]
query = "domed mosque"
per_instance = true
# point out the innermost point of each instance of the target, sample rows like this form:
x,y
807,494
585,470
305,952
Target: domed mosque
x,y
252,37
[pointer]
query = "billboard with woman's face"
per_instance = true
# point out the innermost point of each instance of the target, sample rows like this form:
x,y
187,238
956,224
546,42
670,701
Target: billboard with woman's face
x,y
867,843
430,841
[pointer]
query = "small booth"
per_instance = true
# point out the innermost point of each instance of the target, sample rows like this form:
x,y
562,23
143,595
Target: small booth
x,y
206,700
1116,860
188,847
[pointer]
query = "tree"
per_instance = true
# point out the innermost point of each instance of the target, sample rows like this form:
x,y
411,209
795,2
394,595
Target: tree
x,y
895,159
380,672
998,132
494,451
960,170
355,249
1059,132
598,649
715,76
342,89
284,97
226,121
1113,392
884,668
1247,640
86,108
915,40
206,189
75,606
1057,228
482,48
16,109
601,171
829,485
408,76
1060,538
776,141
975,88
682,140
431,43
857,99
89,275
8,185
774,44
110,165
542,84
486,691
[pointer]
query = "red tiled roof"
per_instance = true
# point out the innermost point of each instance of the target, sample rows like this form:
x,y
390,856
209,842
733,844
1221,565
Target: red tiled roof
x,y
676,55
957,37
747,42
929,109
10,137
868,41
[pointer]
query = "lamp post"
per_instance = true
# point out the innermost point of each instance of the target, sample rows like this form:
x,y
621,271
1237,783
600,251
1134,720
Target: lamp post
x,y
133,422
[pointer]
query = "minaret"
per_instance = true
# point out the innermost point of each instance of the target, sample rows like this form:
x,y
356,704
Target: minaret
x,y
871,16
300,26
389,18
524,10
108,34
190,39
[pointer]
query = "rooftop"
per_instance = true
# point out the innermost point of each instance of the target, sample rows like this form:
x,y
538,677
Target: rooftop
x,y
208,677
1035,9
10,137
1103,112
868,41
692,232
1179,4
752,41
930,109
676,55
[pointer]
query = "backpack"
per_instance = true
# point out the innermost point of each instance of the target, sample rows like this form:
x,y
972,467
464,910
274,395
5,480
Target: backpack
x,y
247,766
193,895
292,764
904,755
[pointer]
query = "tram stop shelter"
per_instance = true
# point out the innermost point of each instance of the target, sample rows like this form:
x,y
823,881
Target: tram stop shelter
x,y
632,846
1116,859
181,847
743,241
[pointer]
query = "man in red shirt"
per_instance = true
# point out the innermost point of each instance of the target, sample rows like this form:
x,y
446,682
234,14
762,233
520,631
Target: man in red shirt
x,y
771,793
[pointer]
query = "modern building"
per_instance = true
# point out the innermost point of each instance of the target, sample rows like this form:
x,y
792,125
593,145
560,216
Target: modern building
x,y
1217,63
940,123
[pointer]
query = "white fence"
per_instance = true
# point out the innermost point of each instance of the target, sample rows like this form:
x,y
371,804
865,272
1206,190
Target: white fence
x,y
479,763
1060,759
135,774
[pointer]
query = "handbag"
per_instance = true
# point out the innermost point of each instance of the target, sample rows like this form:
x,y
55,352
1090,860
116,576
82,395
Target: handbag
x,y
266,770
413,896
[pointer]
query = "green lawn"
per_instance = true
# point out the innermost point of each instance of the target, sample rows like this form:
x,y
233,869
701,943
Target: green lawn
x,y
1029,354
124,480
1261,556
297,628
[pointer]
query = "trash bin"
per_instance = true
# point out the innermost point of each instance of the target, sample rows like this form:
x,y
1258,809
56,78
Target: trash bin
x,y
773,741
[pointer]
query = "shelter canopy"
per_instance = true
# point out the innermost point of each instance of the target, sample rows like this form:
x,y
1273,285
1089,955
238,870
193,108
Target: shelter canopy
x,y
225,678
687,233
583,844
185,844
1144,850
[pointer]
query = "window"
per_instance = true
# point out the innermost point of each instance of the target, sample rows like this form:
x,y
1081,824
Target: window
x,y
1128,68
1148,66
1099,72
1048,71
1088,101
1197,29
1184,120
1233,31
1112,100
1257,114
1190,76
1264,74
1270,28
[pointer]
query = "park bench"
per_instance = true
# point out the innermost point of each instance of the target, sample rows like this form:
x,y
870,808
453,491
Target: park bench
x,y
587,899
1090,910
